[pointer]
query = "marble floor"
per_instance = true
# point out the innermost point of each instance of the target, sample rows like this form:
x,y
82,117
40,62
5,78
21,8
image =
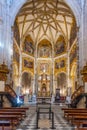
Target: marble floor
x,y
60,123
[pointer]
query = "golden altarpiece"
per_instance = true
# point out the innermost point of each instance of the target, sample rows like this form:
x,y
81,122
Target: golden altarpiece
x,y
44,68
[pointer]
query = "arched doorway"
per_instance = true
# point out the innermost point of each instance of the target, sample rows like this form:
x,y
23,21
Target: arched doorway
x,y
62,83
26,82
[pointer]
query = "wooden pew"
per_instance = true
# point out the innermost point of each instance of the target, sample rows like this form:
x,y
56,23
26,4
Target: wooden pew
x,y
79,120
5,125
26,108
19,114
75,110
77,117
14,115
80,128
5,128
72,114
23,111
10,118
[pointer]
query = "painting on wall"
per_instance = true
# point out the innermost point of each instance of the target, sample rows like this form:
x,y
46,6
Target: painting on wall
x,y
16,55
28,64
16,33
44,66
28,47
44,51
59,64
59,46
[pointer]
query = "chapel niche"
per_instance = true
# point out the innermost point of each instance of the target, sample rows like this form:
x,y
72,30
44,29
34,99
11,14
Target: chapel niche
x,y
44,49
26,82
62,83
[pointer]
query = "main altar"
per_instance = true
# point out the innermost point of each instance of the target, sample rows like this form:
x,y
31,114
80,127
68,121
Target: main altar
x,y
44,86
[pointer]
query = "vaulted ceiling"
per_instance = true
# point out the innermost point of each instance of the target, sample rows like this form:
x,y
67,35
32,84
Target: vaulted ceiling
x,y
45,19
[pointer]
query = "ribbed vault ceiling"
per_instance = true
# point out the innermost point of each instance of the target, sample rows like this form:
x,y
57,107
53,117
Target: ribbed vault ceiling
x,y
45,19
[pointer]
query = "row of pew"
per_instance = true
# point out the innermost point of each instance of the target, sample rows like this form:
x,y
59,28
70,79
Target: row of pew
x,y
11,117
76,117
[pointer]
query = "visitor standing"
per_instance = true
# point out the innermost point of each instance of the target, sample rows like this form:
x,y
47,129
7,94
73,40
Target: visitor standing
x,y
68,101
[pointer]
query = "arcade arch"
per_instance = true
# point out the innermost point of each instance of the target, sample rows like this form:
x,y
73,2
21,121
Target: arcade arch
x,y
48,28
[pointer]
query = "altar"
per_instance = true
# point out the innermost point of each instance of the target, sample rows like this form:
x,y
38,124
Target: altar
x,y
44,86
44,99
44,91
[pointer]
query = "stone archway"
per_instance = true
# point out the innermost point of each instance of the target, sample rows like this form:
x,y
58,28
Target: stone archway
x,y
62,83
72,4
26,82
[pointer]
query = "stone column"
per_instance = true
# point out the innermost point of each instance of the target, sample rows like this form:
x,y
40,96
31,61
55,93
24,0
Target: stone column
x,y
82,40
35,70
78,67
1,33
68,87
53,69
5,36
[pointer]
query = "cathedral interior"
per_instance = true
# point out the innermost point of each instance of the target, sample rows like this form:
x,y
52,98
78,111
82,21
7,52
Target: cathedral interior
x,y
43,53
45,48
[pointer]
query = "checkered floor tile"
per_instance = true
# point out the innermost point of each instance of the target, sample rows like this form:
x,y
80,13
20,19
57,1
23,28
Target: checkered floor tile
x,y
44,123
